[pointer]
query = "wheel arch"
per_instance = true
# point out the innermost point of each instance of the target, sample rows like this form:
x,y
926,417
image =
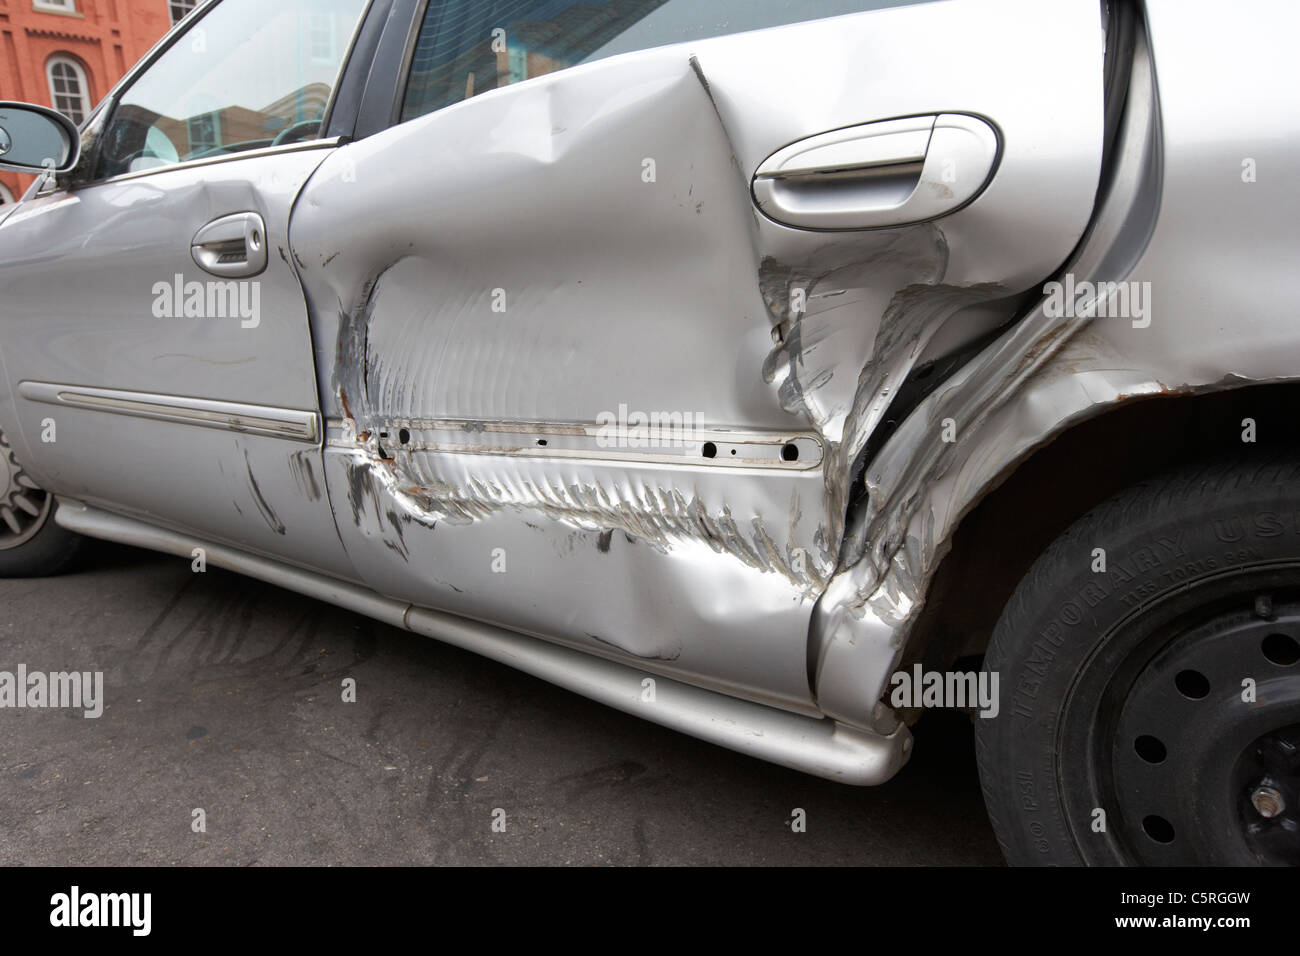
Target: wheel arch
x,y
1036,497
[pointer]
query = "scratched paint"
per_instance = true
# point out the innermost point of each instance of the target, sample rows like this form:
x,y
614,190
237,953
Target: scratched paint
x,y
304,474
542,277
263,508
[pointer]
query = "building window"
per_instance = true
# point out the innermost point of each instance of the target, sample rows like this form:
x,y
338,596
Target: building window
x,y
69,91
204,132
321,30
58,6
179,8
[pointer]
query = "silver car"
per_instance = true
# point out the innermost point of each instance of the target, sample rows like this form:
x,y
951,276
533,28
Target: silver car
x,y
774,371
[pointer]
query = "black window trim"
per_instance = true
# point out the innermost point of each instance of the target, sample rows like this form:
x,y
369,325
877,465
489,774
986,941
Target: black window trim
x,y
385,86
345,103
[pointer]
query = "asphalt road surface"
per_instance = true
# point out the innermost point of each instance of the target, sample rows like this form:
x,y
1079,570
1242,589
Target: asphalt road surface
x,y
223,694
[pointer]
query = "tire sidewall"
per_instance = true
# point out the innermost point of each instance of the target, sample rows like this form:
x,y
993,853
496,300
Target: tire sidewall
x,y
1158,541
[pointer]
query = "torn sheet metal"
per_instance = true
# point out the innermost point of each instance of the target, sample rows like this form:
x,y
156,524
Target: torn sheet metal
x,y
537,257
862,622
1154,226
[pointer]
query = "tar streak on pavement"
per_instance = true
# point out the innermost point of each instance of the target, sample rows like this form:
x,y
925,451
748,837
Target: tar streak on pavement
x,y
225,694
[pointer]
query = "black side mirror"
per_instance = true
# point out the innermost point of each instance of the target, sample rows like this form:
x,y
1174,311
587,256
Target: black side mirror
x,y
35,139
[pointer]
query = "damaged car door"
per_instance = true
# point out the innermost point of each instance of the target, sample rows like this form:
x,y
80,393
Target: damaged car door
x,y
608,313
155,327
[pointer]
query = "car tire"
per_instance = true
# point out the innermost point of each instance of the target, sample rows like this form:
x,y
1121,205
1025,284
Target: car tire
x,y
1149,679
31,543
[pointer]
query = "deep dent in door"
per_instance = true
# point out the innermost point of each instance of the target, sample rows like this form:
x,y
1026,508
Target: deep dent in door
x,y
667,294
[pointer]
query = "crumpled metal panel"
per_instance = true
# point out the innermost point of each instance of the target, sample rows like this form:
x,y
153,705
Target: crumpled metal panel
x,y
1217,318
673,294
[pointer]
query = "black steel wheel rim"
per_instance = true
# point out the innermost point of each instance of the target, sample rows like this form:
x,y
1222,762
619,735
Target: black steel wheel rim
x,y
1184,766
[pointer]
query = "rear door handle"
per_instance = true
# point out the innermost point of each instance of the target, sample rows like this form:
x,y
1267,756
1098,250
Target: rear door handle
x,y
233,246
875,175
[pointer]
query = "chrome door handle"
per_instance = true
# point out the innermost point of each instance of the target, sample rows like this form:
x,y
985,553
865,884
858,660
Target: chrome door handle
x,y
233,246
874,175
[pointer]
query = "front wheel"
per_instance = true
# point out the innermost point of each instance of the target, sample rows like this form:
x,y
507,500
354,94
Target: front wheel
x,y
31,544
1149,677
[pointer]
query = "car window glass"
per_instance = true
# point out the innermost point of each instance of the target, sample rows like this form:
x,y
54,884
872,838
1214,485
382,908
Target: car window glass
x,y
249,74
466,47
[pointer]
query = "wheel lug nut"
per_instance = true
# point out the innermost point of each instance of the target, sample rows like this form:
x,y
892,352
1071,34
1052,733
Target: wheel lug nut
x,y
1267,801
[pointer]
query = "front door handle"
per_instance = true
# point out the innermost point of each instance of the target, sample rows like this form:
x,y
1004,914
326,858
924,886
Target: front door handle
x,y
877,175
233,246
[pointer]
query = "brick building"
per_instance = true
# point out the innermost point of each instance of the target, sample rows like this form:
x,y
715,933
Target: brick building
x,y
69,53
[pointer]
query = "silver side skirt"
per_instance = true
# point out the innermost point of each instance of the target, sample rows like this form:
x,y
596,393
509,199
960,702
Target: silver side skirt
x,y
816,746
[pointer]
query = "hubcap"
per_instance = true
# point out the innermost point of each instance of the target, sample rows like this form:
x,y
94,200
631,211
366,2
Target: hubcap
x,y
1194,748
24,508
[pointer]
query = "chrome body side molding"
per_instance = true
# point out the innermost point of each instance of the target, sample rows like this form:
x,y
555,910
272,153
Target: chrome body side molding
x,y
287,423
